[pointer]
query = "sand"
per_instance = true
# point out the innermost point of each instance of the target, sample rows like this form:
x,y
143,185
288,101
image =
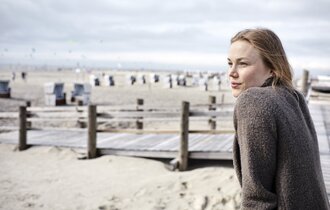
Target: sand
x,y
55,178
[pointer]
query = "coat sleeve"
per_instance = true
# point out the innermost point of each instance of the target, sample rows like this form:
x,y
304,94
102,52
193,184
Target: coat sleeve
x,y
257,139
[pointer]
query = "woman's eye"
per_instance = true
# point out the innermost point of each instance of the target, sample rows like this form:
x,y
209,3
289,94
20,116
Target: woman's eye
x,y
243,64
230,64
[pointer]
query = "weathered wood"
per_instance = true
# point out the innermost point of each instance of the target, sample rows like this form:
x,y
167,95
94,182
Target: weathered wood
x,y
103,120
136,114
174,164
8,115
57,114
9,128
212,120
57,109
22,145
91,145
184,132
210,113
113,108
139,121
162,114
138,131
212,131
28,114
158,154
53,119
105,130
305,85
212,155
36,128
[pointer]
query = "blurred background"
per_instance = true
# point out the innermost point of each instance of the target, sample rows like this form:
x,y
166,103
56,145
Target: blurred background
x,y
183,35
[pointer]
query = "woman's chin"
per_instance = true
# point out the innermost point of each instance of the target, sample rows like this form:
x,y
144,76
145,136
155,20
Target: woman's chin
x,y
235,93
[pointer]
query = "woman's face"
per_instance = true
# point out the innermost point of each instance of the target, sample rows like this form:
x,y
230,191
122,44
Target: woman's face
x,y
246,68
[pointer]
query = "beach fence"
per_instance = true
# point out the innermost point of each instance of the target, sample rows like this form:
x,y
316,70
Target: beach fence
x,y
95,115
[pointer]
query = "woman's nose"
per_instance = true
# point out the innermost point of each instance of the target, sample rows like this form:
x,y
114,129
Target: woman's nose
x,y
232,72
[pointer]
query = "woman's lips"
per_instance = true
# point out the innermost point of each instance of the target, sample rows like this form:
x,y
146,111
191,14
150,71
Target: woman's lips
x,y
235,85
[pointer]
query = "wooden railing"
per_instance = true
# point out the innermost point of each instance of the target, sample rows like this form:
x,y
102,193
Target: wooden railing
x,y
93,115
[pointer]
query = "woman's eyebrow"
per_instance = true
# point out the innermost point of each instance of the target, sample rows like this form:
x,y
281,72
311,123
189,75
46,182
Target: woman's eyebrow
x,y
237,59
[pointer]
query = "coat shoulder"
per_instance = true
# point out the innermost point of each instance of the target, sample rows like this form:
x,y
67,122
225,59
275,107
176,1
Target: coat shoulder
x,y
257,98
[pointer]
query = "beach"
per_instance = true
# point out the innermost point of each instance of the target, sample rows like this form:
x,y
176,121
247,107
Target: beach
x,y
54,178
58,178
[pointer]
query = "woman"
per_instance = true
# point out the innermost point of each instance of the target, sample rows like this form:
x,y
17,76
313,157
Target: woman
x,y
276,155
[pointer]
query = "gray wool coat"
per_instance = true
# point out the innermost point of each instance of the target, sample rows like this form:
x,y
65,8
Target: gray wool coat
x,y
276,154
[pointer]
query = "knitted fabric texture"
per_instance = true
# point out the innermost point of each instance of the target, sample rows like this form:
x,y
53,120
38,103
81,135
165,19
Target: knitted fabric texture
x,y
276,154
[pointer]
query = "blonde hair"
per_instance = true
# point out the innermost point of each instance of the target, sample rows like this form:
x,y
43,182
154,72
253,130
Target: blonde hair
x,y
271,51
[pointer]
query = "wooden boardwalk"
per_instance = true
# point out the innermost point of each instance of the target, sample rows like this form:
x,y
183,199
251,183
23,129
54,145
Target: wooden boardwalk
x,y
201,146
320,113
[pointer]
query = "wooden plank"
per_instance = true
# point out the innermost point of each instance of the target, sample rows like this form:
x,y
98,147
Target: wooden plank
x,y
54,119
119,143
212,131
201,143
36,128
195,139
214,142
109,137
164,131
153,154
319,113
134,131
135,143
162,114
104,120
211,155
325,164
9,115
170,144
8,128
210,113
57,115
229,146
228,138
58,109
134,114
114,142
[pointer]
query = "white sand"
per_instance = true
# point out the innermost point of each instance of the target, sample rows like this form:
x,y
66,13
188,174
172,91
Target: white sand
x,y
54,178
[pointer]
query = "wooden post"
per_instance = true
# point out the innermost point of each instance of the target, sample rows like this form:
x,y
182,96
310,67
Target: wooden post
x,y
91,146
22,128
304,87
184,132
28,124
139,121
212,121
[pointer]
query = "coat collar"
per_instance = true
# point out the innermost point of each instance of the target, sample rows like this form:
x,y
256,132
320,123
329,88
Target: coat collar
x,y
268,82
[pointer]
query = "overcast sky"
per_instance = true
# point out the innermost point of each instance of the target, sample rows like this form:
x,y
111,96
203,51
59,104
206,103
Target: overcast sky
x,y
163,34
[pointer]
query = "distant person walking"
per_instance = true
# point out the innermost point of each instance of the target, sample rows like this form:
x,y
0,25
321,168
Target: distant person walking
x,y
23,75
276,154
